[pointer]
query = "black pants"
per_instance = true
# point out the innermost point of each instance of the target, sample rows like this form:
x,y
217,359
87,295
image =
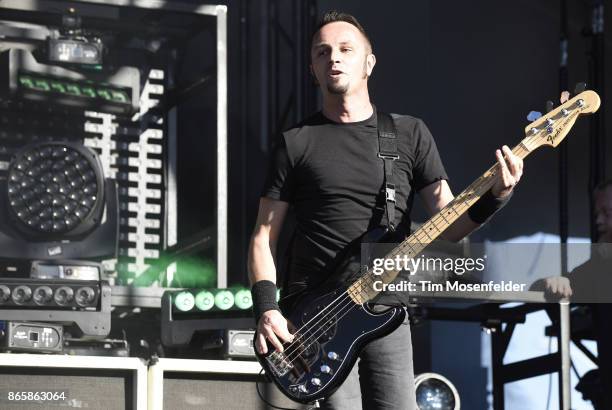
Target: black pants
x,y
382,378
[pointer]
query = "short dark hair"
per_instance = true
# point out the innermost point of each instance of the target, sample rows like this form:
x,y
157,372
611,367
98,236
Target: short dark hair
x,y
333,16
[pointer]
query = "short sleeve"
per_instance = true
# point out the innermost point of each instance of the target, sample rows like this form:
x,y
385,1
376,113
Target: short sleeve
x,y
428,166
280,180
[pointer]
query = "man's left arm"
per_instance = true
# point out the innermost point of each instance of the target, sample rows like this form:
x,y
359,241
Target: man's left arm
x,y
438,194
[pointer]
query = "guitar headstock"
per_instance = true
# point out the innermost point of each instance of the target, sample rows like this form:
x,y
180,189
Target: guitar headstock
x,y
552,128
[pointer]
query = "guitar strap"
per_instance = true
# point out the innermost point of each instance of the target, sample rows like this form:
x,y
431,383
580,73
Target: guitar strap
x,y
387,151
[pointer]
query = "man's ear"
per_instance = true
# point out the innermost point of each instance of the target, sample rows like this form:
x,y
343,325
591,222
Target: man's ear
x,y
314,77
370,63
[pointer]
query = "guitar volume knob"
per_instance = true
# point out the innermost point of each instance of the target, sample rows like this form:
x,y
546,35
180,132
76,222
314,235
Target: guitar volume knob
x,y
333,356
315,382
326,369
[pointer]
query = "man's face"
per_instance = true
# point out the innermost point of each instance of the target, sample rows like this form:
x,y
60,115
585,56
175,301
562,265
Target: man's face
x,y
341,59
603,214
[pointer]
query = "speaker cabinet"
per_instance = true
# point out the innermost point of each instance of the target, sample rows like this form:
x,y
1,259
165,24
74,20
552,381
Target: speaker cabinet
x,y
179,384
40,382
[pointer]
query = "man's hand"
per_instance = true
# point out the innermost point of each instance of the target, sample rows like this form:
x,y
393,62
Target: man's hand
x,y
511,170
558,286
272,326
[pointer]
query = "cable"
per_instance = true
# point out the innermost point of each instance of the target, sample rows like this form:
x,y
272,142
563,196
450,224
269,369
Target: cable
x,y
266,401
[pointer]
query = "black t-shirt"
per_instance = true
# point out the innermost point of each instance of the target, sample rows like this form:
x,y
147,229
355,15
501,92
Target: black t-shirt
x,y
331,175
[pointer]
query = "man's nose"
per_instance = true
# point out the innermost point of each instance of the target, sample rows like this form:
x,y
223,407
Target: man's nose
x,y
335,55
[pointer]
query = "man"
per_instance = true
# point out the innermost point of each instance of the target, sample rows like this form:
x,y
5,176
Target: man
x,y
328,170
592,282
586,282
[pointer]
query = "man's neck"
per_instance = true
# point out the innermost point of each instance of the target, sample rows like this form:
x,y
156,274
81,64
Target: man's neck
x,y
345,109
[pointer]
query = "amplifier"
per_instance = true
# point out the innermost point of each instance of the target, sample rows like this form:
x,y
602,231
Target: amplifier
x,y
181,384
92,383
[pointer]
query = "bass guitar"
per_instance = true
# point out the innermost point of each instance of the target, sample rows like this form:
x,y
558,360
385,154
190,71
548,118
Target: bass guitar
x,y
332,326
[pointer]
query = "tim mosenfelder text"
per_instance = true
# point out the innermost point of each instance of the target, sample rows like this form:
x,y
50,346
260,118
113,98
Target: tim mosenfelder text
x,y
457,265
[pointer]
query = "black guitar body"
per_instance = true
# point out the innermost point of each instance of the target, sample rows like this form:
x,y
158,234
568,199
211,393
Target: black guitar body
x,y
331,331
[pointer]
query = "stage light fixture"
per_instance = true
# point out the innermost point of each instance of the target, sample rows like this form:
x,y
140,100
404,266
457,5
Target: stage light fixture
x,y
43,295
21,295
205,300
56,204
5,294
63,295
83,306
85,296
76,50
184,301
224,299
24,77
436,392
243,299
55,191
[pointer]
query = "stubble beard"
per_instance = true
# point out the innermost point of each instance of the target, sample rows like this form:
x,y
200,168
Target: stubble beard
x,y
337,88
341,89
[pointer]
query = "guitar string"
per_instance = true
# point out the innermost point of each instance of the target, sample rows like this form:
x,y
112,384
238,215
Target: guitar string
x,y
314,336
289,352
482,181
479,183
346,295
522,146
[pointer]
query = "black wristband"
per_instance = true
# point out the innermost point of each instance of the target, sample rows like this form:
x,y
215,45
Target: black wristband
x,y
486,206
263,293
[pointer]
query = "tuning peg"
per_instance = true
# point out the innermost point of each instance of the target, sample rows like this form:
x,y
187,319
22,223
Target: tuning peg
x,y
549,106
533,115
580,87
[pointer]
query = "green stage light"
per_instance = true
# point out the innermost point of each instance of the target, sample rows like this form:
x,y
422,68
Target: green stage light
x,y
224,299
204,300
243,299
184,301
85,90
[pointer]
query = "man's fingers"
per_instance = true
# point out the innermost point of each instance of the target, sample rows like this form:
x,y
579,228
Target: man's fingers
x,y
553,287
262,347
271,336
512,160
503,168
283,333
515,164
567,290
506,177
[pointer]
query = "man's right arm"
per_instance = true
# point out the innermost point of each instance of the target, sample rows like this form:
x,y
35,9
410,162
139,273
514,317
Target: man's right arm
x,y
262,252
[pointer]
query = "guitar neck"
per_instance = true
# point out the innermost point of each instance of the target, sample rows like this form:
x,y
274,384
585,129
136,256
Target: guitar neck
x,y
363,290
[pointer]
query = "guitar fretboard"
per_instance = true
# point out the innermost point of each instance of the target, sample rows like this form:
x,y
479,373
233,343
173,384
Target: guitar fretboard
x,y
548,130
363,290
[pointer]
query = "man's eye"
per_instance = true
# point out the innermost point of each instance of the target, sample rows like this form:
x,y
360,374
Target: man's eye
x,y
347,50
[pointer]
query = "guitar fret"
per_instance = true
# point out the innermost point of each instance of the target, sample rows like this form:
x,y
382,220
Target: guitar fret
x,y
361,290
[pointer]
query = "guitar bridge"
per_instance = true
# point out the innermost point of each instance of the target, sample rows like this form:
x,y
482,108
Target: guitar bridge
x,y
279,364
